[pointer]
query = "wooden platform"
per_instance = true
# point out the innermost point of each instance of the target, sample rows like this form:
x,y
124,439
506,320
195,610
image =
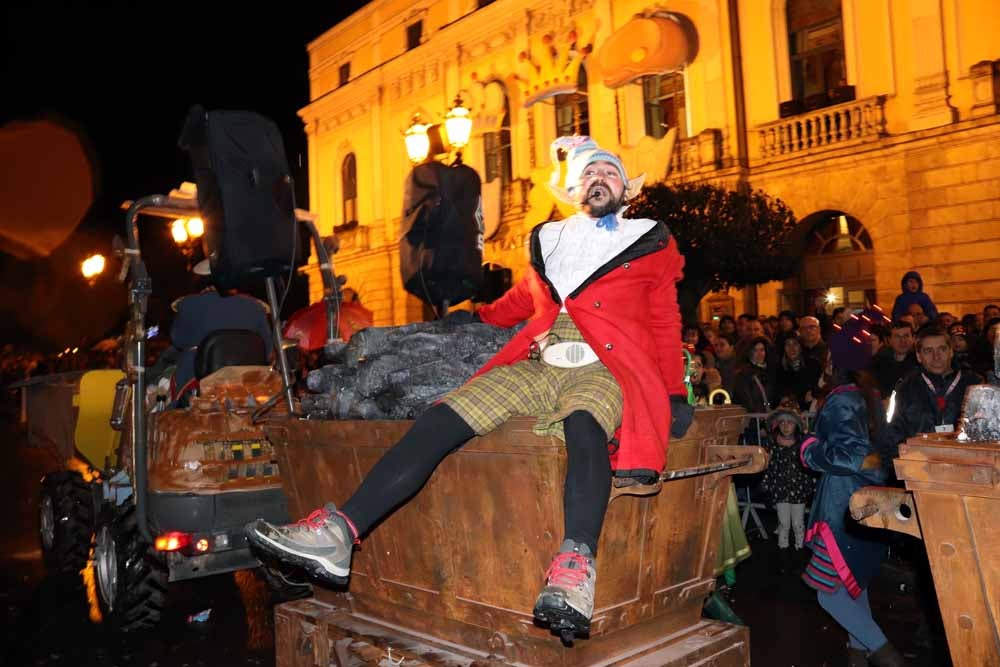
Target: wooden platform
x,y
463,561
314,634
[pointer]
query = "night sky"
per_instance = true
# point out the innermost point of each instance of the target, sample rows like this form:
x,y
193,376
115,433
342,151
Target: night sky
x,y
124,75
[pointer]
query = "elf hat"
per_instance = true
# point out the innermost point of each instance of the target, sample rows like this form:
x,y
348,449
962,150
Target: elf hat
x,y
582,151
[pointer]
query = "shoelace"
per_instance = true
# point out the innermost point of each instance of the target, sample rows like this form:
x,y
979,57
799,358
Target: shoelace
x,y
315,520
561,574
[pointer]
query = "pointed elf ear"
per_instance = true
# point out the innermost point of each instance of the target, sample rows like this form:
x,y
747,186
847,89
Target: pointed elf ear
x,y
561,194
634,186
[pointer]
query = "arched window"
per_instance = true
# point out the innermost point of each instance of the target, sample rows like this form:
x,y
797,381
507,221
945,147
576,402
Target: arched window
x,y
815,49
572,111
839,233
349,183
496,143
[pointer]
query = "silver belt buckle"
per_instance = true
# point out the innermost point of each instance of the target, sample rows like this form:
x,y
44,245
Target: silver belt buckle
x,y
571,354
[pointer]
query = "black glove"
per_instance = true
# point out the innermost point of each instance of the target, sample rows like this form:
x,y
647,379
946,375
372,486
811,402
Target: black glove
x,y
681,413
460,317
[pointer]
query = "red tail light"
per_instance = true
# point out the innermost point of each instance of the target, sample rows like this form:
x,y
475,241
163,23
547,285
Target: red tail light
x,y
172,541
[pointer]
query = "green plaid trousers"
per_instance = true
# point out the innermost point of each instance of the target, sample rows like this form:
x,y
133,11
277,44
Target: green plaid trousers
x,y
533,388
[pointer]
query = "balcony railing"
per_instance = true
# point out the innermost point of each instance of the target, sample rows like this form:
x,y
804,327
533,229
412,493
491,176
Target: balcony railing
x,y
860,120
697,154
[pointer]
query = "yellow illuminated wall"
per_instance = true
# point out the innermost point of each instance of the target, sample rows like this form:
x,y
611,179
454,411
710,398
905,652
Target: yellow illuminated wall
x,y
920,167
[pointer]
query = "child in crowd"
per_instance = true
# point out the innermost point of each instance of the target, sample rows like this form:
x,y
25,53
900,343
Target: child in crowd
x,y
789,484
913,293
703,379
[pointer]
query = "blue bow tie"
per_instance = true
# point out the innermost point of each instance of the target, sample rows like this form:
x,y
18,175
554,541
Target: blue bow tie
x,y
608,222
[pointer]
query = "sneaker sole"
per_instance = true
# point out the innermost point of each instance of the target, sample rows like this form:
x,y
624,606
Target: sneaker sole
x,y
316,566
561,618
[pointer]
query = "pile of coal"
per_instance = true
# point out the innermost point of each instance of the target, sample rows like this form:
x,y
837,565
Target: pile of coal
x,y
398,372
981,415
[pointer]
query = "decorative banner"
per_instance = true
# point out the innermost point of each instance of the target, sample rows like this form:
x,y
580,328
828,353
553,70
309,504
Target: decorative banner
x,y
46,187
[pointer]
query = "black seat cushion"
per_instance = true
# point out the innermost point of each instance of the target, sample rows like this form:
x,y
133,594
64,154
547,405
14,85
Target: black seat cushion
x,y
229,347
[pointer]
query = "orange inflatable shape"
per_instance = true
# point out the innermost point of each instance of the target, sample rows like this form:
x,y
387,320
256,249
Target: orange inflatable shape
x,y
644,46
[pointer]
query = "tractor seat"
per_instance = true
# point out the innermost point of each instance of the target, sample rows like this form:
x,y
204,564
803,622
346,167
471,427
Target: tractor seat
x,y
229,347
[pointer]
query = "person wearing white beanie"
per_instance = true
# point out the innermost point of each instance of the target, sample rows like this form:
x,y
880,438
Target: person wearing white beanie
x,y
598,362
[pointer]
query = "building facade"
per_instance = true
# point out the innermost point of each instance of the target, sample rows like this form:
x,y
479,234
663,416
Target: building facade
x,y
876,121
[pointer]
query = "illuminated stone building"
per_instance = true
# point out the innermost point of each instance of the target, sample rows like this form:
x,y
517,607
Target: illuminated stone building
x,y
875,120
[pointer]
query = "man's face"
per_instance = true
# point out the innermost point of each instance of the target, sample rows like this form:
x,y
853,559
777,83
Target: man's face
x,y
990,312
934,354
912,285
947,319
727,327
901,340
909,320
723,349
809,330
917,313
755,329
992,333
602,190
959,343
742,327
786,324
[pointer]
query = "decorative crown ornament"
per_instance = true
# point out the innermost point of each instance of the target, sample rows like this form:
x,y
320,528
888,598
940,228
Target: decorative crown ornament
x,y
553,67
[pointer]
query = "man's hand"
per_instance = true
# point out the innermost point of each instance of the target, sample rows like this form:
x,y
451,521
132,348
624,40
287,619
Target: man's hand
x,y
681,413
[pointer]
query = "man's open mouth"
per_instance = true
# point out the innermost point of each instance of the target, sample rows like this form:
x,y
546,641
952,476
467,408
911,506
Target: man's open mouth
x,y
598,192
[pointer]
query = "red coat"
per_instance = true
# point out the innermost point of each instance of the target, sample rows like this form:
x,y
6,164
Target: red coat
x,y
627,312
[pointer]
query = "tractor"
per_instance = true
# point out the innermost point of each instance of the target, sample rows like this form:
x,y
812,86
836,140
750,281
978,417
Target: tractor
x,y
157,490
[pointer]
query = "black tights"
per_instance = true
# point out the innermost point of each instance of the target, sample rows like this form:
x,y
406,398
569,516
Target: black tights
x,y
405,468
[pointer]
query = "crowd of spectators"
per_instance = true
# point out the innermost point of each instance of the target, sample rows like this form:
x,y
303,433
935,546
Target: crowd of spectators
x,y
762,362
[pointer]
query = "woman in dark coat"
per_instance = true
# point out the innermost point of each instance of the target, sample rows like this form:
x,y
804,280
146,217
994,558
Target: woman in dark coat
x,y
845,559
797,374
754,382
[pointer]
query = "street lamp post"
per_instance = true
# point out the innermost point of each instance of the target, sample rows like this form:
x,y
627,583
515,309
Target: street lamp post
x,y
186,232
457,131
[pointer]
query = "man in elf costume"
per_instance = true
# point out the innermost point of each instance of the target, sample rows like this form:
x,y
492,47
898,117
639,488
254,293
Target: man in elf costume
x,y
598,362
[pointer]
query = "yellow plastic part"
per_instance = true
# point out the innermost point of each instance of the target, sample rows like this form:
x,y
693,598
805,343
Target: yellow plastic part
x,y
95,439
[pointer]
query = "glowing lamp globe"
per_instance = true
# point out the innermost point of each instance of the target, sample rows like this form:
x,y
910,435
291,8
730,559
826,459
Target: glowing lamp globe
x,y
418,144
458,125
195,227
179,231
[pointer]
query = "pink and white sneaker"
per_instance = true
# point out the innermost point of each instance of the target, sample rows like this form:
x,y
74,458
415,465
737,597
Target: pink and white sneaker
x,y
566,603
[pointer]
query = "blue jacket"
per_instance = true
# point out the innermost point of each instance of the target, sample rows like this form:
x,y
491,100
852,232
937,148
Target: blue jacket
x,y
903,301
838,449
200,314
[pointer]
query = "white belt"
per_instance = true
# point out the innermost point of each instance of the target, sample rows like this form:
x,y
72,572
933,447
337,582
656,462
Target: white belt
x,y
572,354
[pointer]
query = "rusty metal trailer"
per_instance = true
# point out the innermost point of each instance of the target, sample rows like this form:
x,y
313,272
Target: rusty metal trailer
x,y
450,578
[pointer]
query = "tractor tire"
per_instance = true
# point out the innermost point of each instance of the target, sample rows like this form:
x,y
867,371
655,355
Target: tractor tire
x,y
131,580
66,521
